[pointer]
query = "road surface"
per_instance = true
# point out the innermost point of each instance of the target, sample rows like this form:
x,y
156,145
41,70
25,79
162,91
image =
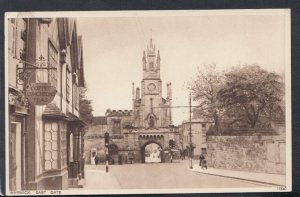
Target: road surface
x,y
156,176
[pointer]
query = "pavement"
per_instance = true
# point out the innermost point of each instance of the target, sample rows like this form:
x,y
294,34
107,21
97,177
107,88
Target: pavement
x,y
263,178
98,179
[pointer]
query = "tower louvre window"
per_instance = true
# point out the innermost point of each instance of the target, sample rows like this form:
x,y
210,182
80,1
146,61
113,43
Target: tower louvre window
x,y
151,65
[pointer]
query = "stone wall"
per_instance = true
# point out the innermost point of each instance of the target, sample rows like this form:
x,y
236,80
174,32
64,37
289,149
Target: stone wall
x,y
258,152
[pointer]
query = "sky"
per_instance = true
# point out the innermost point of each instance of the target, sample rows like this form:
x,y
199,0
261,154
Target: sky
x,y
113,48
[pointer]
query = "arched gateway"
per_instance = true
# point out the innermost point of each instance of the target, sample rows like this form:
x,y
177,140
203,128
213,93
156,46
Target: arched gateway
x,y
151,152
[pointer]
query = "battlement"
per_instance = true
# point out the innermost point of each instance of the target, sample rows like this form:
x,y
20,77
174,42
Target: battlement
x,y
110,112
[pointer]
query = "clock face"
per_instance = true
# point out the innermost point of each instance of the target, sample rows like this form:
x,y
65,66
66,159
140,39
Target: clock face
x,y
151,87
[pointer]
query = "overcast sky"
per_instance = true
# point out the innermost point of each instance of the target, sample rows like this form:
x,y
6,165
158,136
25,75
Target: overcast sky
x,y
113,48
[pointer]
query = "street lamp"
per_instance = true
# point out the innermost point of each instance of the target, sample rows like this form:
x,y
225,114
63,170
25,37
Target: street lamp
x,y
191,166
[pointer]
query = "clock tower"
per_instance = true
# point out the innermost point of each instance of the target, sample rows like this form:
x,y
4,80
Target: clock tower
x,y
150,109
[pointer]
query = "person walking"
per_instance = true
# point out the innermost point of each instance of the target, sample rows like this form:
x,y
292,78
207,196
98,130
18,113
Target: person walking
x,y
201,158
96,160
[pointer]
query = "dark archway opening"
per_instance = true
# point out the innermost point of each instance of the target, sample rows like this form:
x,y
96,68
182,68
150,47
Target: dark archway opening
x,y
113,153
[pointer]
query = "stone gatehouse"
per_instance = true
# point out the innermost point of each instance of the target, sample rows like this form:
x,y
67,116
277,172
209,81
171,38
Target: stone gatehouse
x,y
149,121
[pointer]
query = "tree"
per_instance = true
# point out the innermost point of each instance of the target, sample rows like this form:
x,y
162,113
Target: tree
x,y
85,107
250,91
205,88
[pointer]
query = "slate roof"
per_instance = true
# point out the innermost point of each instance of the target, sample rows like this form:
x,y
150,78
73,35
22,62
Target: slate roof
x,y
72,118
99,120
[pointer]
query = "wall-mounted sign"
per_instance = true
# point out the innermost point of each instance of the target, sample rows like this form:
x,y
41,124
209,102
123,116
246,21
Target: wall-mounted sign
x,y
40,93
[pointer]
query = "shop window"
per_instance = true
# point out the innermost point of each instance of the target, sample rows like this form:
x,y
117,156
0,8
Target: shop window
x,y
51,145
63,146
53,61
71,147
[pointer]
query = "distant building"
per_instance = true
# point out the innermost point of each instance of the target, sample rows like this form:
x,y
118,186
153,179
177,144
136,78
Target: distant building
x,y
45,141
199,128
149,121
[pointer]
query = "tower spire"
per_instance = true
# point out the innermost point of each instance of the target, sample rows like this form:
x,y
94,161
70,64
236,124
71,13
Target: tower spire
x,y
151,43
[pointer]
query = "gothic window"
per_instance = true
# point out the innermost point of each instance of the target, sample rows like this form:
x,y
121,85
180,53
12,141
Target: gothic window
x,y
53,61
51,145
151,122
117,127
138,116
151,65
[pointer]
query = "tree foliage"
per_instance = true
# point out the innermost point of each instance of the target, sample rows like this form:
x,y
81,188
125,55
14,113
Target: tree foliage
x,y
205,88
250,91
244,97
85,107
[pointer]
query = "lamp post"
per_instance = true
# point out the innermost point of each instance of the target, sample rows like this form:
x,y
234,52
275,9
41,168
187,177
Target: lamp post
x,y
106,136
191,157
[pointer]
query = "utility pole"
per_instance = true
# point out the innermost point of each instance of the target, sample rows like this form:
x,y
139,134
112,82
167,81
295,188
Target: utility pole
x,y
190,132
191,149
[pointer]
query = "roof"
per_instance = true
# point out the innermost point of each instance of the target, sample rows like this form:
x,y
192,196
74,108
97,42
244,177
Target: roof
x,y
81,79
198,120
52,111
74,119
99,120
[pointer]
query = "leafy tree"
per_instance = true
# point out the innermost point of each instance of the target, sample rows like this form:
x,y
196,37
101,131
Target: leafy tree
x,y
205,88
85,107
250,91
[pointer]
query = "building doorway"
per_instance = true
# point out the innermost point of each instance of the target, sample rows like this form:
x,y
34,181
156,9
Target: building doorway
x,y
152,153
15,158
113,154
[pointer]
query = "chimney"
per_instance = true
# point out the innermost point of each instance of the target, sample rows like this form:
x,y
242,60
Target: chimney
x,y
133,91
137,93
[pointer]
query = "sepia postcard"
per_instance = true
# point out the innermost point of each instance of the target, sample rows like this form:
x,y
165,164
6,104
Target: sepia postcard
x,y
139,102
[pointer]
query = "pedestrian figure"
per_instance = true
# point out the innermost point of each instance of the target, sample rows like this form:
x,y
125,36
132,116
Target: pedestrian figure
x,y
204,164
97,160
130,155
201,158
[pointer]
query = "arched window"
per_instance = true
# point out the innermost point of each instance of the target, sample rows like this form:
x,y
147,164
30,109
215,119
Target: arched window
x,y
151,122
151,65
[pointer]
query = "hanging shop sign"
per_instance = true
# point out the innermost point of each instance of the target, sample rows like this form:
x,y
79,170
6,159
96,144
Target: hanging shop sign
x,y
40,93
